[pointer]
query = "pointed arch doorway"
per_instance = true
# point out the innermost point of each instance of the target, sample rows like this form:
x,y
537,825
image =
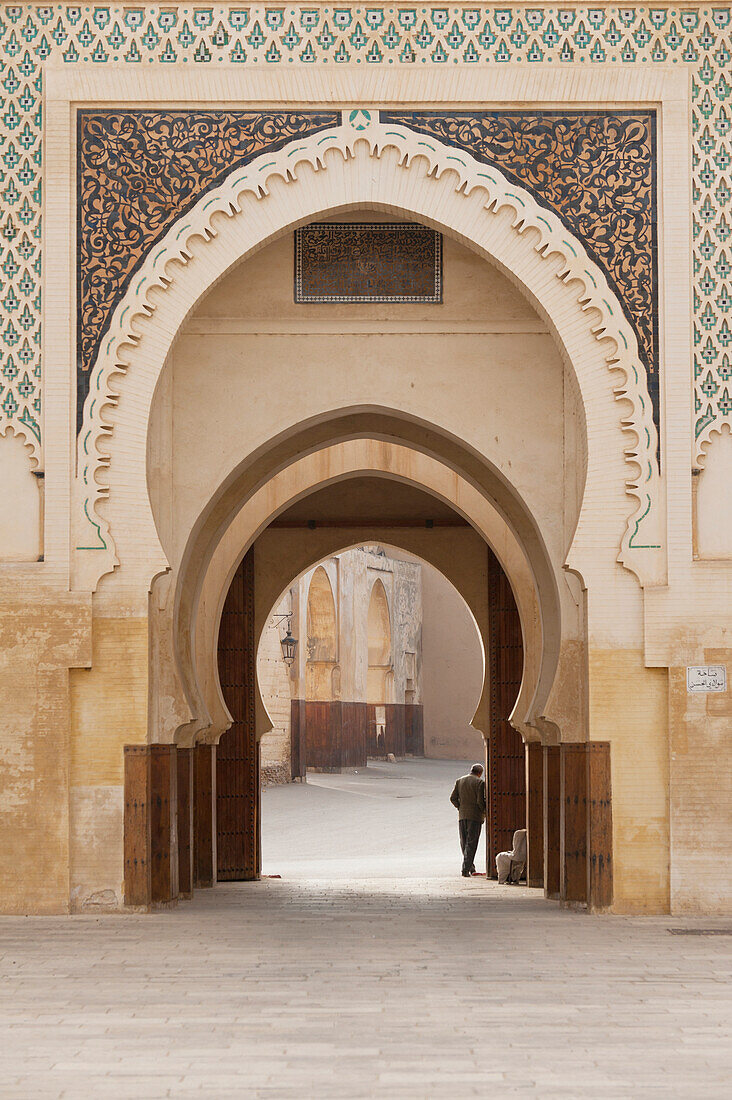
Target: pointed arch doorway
x,y
237,756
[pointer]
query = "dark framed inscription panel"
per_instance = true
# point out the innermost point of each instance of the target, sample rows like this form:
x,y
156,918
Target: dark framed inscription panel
x,y
368,262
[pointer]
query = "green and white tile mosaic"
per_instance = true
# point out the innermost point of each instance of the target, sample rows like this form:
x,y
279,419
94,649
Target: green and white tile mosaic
x,y
33,34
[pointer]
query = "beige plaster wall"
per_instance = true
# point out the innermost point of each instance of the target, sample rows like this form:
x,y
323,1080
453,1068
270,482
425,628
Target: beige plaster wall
x,y
261,288
452,667
254,386
248,340
274,688
714,499
20,524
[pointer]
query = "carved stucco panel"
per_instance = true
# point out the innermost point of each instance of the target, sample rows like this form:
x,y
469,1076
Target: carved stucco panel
x,y
512,224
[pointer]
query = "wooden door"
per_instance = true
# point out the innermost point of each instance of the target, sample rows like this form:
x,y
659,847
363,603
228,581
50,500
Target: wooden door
x,y
506,786
298,763
323,722
237,756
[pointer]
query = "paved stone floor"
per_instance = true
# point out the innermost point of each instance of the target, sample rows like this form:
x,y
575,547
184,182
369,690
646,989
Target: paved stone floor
x,y
384,820
411,985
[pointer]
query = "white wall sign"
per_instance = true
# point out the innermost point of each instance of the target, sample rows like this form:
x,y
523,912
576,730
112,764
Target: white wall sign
x,y
706,678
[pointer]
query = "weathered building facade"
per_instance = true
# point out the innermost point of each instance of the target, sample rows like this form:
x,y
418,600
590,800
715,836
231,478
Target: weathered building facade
x,y
353,689
473,255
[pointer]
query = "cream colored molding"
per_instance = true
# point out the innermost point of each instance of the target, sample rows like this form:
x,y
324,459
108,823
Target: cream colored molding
x,y
538,85
706,441
235,326
440,185
31,442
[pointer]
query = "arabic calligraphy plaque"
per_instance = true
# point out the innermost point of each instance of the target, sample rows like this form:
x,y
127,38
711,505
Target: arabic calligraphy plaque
x,y
357,262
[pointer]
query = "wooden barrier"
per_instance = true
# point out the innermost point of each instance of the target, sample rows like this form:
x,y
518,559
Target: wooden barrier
x,y
534,814
552,815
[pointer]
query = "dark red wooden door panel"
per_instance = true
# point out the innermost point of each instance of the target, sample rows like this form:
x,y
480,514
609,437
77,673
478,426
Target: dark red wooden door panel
x,y
237,763
506,762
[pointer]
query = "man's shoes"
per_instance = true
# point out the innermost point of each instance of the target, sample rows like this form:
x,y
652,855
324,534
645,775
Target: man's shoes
x,y
467,874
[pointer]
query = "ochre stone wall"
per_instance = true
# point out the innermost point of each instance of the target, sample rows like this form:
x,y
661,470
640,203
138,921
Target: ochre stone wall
x,y
699,747
40,638
629,708
109,709
504,397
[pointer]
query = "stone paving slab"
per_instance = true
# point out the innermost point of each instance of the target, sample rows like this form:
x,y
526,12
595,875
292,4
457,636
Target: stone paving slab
x,y
383,988
373,972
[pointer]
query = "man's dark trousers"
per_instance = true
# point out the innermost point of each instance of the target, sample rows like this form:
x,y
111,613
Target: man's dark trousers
x,y
469,837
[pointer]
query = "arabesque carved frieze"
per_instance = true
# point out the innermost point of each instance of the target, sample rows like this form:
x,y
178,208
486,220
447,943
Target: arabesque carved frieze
x,y
138,172
592,303
596,171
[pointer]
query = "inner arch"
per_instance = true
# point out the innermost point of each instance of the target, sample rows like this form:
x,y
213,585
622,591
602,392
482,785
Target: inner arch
x,y
541,618
436,650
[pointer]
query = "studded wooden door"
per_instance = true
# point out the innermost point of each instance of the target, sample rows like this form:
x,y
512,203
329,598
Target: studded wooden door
x,y
506,786
237,756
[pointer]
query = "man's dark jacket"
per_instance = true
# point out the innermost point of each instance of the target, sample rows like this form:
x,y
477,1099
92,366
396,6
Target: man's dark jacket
x,y
468,797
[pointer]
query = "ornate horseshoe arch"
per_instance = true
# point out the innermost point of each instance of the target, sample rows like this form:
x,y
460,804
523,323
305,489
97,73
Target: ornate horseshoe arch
x,y
540,615
363,162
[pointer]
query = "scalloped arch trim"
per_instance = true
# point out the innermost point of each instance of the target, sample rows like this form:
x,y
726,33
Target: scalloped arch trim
x,y
590,312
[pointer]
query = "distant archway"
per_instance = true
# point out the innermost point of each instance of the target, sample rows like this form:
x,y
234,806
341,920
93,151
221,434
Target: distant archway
x,y
379,642
321,639
445,671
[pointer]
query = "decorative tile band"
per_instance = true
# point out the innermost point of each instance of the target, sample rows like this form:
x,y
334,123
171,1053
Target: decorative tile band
x,y
31,35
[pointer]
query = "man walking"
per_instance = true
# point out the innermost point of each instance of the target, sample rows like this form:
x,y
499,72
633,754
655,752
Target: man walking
x,y
468,798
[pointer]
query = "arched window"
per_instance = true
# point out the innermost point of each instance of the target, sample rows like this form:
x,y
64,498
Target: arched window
x,y
322,643
379,642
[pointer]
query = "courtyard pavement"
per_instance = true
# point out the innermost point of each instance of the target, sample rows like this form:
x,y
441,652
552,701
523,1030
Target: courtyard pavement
x,y
377,822
400,979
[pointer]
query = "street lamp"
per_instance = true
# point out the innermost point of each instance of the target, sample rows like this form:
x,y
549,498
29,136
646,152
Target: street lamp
x,y
289,646
288,643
